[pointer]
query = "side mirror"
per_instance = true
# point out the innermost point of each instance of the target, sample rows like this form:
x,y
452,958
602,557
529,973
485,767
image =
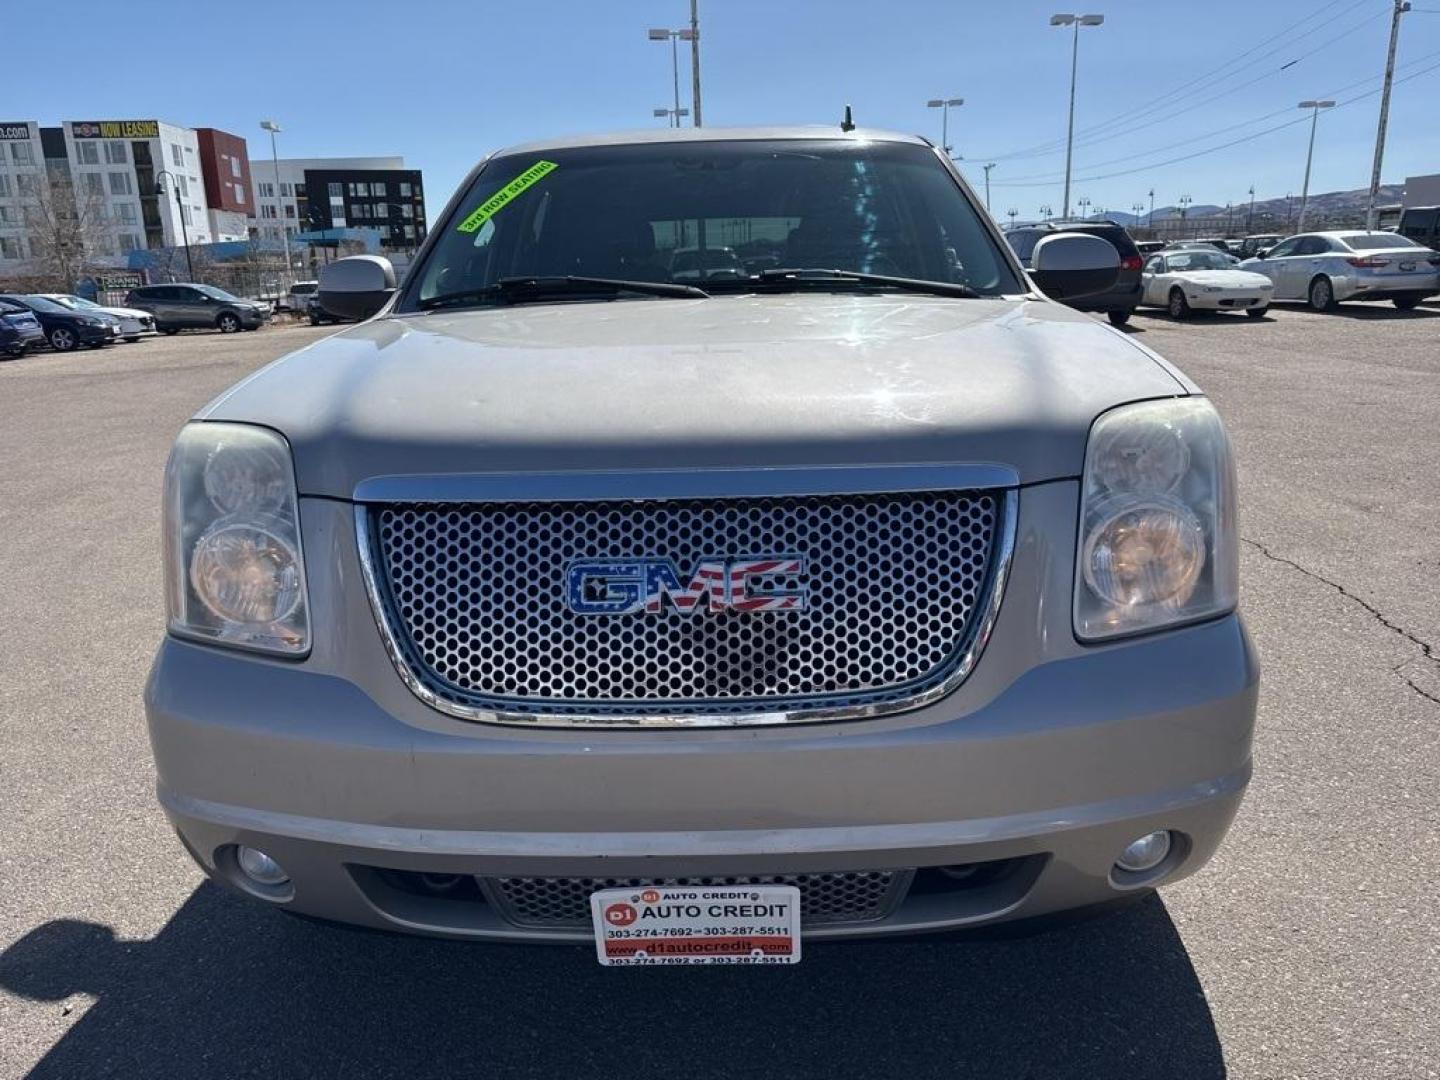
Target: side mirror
x,y
1070,265
356,287
1262,253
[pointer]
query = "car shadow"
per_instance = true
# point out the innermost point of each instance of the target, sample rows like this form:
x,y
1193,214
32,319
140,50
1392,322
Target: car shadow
x,y
228,988
1374,309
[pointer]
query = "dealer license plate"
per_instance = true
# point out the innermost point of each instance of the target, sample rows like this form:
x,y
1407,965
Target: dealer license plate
x,y
704,924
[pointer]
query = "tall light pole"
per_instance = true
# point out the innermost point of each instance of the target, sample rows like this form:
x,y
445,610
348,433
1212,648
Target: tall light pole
x,y
674,37
987,169
1288,198
1012,212
1250,214
1401,6
1076,21
274,129
1045,211
1084,206
179,209
943,104
1138,209
672,116
1152,207
1314,107
695,59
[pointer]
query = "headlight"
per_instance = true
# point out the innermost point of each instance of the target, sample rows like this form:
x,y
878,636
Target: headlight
x,y
234,570
1157,525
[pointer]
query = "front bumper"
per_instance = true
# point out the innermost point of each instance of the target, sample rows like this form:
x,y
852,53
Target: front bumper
x,y
1046,762
91,335
1231,300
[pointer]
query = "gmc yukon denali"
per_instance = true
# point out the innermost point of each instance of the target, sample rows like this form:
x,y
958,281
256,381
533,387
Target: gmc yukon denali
x,y
846,585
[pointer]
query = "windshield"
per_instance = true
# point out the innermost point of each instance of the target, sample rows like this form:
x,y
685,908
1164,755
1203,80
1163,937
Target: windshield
x,y
41,303
75,303
1197,260
716,214
1378,242
218,294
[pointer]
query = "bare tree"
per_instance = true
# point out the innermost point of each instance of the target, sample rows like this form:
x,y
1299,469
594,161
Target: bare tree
x,y
66,226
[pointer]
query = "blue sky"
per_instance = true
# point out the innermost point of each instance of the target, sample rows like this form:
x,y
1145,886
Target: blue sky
x,y
445,81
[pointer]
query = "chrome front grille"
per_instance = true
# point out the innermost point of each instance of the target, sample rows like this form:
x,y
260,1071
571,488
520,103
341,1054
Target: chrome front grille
x,y
474,599
843,897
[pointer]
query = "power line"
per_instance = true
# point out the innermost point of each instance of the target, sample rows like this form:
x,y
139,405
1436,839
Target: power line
x,y
1224,146
1052,177
1041,149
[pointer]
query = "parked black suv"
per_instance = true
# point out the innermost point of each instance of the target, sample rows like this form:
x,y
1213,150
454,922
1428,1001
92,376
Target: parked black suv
x,y
1421,224
1121,300
196,307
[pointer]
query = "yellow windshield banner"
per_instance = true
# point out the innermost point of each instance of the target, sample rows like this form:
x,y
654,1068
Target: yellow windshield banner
x,y
485,210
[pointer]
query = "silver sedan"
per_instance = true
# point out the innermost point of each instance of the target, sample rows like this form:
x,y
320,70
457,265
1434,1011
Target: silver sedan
x,y
1325,268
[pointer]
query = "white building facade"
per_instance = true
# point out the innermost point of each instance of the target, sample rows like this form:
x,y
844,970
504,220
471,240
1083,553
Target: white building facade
x,y
22,171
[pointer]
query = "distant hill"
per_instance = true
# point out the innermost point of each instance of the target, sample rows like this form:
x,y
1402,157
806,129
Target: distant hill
x,y
1340,209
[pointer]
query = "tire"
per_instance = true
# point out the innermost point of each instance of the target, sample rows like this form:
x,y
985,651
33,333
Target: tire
x,y
314,321
1177,305
15,352
132,340
1406,303
1258,312
1118,318
169,331
227,322
1321,294
63,339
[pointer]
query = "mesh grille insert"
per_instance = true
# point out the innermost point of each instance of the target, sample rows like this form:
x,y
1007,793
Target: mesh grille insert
x,y
478,594
849,896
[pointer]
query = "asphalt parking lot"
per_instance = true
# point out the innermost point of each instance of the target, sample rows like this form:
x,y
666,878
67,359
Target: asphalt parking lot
x,y
1309,948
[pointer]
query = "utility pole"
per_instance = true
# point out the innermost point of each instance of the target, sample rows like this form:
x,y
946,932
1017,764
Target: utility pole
x,y
1250,214
1401,6
1152,208
987,185
695,59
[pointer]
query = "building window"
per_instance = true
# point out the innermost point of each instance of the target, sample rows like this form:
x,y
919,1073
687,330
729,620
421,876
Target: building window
x,y
378,189
9,247
267,190
128,243
126,213
120,183
405,190
287,190
27,184
92,183
177,155
6,215
116,154
300,191
289,210
4,186
235,167
267,211
185,214
336,190
183,186
21,153
406,210
240,194
87,152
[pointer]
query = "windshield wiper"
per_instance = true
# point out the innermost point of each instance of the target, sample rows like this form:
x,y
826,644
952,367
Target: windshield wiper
x,y
800,277
515,290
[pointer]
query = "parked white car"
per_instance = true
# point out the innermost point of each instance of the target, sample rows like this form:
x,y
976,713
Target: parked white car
x,y
1190,278
134,323
1325,268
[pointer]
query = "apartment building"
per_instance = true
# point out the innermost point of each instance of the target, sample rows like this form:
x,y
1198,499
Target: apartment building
x,y
22,172
319,194
225,167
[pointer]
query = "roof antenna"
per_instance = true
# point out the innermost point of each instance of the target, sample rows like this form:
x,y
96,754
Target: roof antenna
x,y
848,124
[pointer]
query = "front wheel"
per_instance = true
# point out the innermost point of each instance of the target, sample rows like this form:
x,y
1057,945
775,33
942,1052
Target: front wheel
x,y
132,340
1178,306
1258,312
227,323
1406,303
169,331
63,339
1322,294
15,352
1118,318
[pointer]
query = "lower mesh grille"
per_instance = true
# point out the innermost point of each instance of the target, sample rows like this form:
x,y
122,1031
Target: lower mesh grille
x,y
841,897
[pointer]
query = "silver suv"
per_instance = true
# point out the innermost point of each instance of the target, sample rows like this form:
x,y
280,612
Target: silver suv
x,y
868,592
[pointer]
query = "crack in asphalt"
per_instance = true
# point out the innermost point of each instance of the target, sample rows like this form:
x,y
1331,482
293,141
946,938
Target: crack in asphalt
x,y
1427,651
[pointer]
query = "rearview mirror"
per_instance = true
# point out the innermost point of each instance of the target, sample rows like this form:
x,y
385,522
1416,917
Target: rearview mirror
x,y
356,287
1070,265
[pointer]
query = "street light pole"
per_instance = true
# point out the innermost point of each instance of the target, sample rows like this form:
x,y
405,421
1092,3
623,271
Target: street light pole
x,y
943,104
1401,6
674,37
1314,107
1012,212
1250,214
673,115
987,184
1075,21
695,58
180,209
274,128
1152,208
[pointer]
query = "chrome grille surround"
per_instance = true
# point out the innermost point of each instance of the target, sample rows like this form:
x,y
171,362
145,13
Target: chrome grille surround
x,y
831,899
975,524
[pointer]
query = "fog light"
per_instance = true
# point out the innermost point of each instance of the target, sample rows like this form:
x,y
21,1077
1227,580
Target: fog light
x,y
259,867
1145,853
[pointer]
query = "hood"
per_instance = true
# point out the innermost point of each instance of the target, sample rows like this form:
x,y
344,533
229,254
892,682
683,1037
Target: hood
x,y
729,382
125,312
1232,279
